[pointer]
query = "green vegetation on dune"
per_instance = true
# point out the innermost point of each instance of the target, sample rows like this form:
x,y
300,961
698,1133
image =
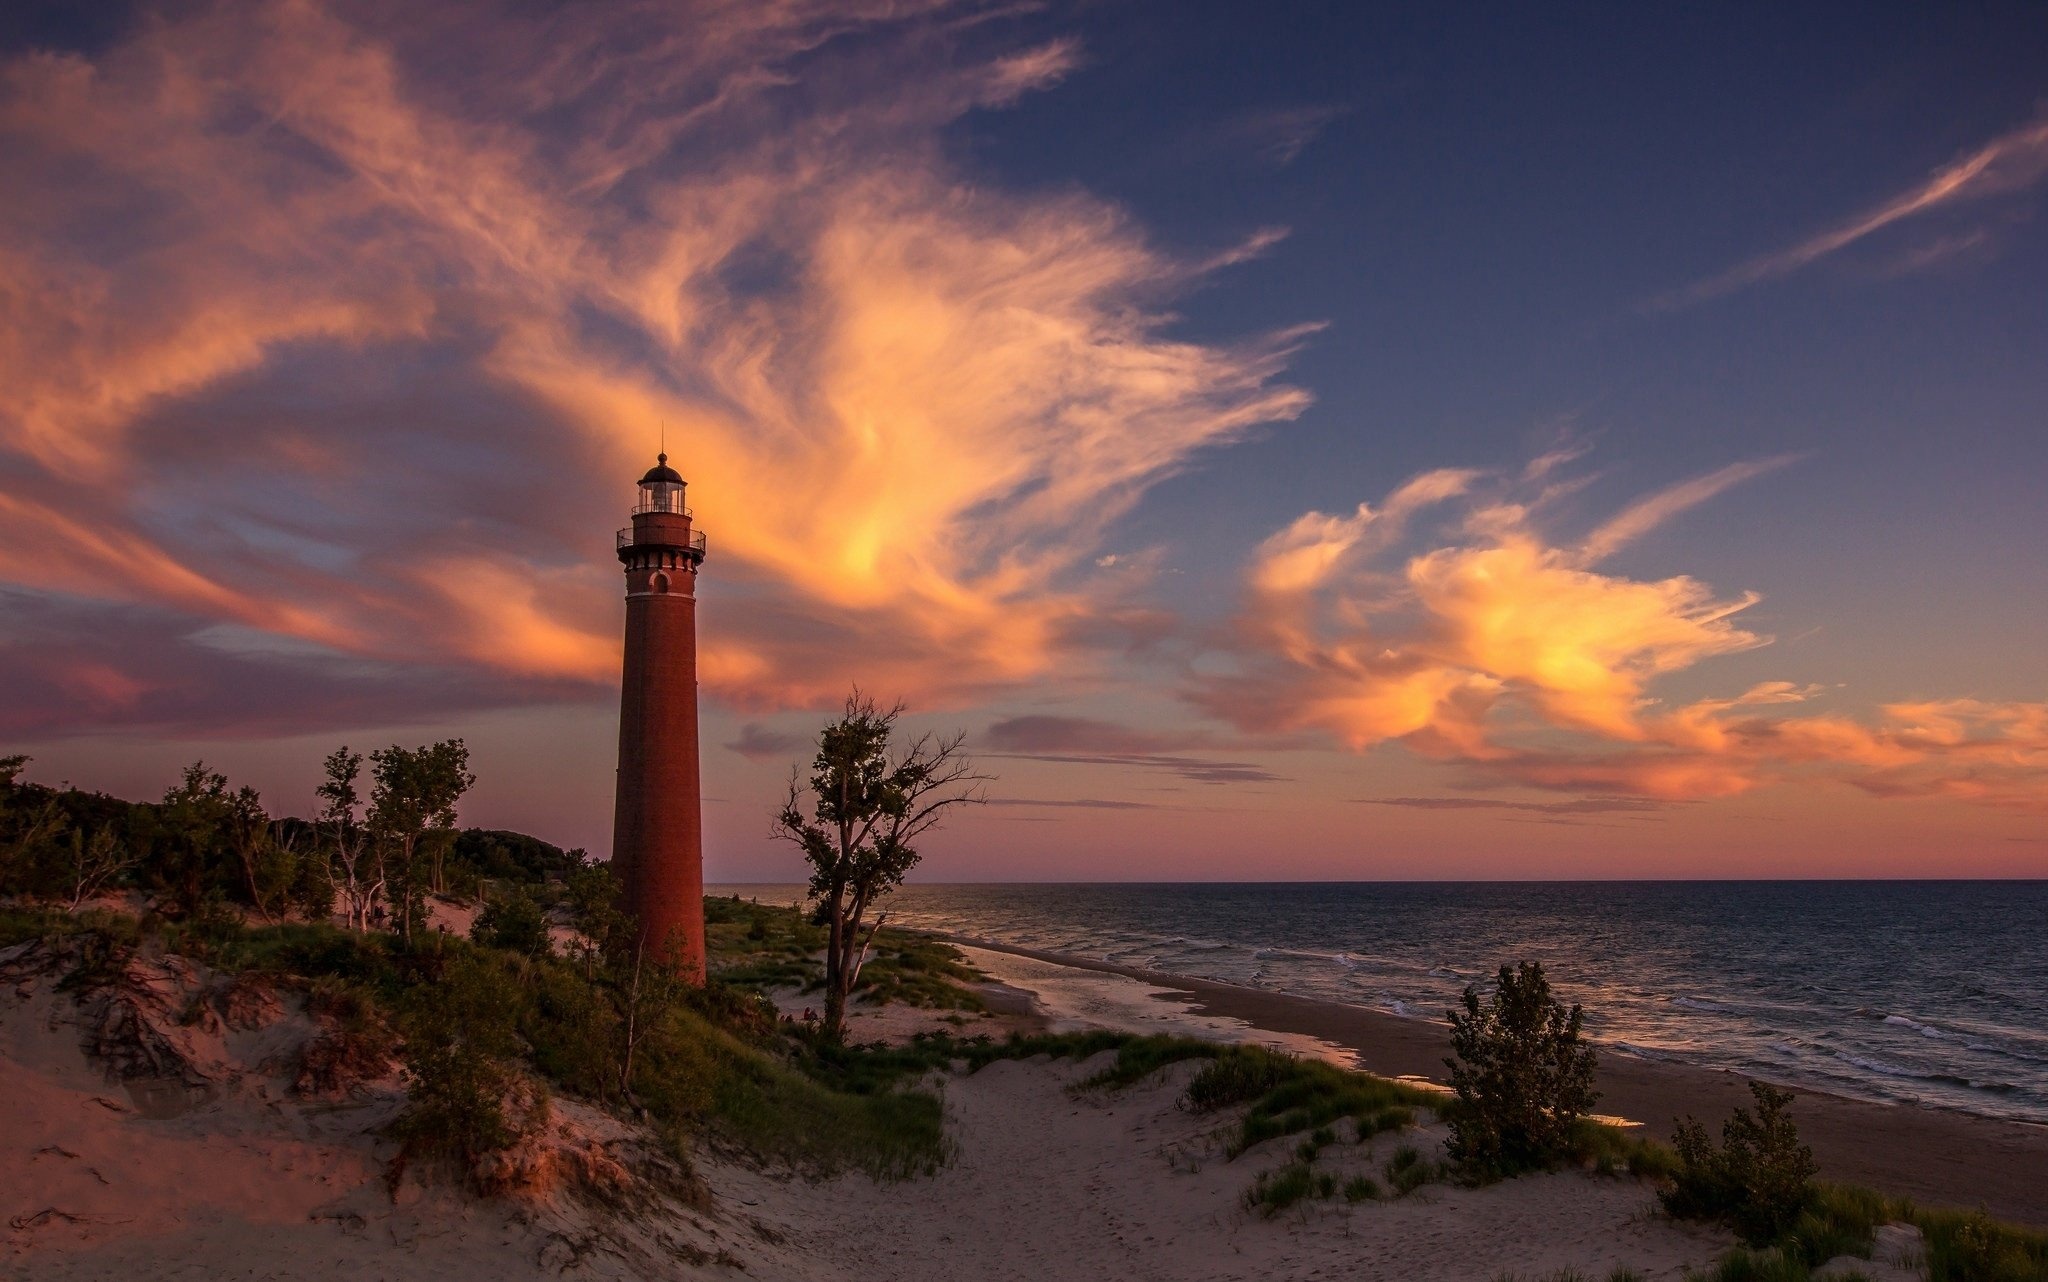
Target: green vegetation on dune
x,y
488,1029
777,946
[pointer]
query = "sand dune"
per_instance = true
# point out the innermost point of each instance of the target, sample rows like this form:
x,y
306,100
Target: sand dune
x,y
216,1162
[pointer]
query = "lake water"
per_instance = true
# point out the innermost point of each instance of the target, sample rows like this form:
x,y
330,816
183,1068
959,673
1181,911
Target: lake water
x,y
1930,992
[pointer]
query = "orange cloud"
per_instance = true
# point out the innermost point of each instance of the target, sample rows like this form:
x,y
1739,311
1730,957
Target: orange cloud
x,y
1509,654
909,405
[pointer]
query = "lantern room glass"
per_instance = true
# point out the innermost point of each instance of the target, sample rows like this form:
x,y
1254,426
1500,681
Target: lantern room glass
x,y
661,496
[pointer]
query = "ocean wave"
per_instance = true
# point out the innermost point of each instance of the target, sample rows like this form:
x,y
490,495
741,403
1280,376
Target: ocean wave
x,y
1302,954
1867,1064
1994,1087
1925,1030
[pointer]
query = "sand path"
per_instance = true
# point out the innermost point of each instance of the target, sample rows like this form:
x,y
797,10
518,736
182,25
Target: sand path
x,y
1128,1186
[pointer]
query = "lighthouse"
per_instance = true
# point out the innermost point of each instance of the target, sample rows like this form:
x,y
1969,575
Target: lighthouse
x,y
658,832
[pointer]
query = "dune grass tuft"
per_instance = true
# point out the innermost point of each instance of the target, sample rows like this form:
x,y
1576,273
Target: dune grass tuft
x,y
1288,1095
1408,1170
1274,1191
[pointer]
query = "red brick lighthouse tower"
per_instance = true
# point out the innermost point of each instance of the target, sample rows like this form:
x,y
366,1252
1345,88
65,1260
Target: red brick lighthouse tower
x,y
658,835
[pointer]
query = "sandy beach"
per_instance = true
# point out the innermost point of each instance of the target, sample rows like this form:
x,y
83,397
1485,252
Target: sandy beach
x,y
1933,1156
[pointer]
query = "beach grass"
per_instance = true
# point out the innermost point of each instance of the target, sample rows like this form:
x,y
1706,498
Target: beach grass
x,y
1842,1220
1275,1191
1615,1150
764,946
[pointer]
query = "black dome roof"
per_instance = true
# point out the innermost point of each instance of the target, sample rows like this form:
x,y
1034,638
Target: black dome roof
x,y
661,473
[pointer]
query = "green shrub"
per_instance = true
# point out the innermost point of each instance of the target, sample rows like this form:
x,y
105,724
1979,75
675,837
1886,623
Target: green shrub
x,y
465,1097
1362,1188
1759,1182
515,923
1523,1075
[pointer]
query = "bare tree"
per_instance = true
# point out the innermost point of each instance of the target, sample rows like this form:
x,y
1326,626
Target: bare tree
x,y
866,807
93,862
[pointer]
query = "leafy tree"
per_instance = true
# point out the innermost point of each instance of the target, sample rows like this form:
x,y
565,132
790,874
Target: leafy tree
x,y
866,807
269,868
1523,1074
1760,1180
32,818
412,820
193,824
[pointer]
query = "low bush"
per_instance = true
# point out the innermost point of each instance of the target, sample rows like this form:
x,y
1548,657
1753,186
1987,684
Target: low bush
x,y
465,1096
1759,1182
514,922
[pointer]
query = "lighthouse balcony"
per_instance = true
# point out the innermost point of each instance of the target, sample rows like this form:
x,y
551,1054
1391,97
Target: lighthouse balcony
x,y
692,545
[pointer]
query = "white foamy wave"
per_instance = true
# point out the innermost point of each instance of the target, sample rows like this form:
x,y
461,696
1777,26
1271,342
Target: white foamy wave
x,y
1869,1065
1925,1030
1697,1003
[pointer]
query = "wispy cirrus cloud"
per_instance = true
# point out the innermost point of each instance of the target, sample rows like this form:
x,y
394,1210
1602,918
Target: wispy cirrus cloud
x,y
314,329
1481,640
1581,806
1279,135
1072,803
2012,162
1083,741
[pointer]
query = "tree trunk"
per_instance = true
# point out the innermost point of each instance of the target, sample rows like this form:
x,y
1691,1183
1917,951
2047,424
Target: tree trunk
x,y
632,1026
861,960
835,994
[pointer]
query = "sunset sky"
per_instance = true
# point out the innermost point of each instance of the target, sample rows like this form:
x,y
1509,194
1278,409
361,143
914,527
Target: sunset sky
x,y
1321,441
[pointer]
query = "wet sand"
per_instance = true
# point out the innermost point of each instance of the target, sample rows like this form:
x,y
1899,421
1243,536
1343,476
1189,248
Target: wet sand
x,y
1934,1156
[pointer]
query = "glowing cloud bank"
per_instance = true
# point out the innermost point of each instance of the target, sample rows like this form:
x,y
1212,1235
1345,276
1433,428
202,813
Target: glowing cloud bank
x,y
1493,647
315,329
